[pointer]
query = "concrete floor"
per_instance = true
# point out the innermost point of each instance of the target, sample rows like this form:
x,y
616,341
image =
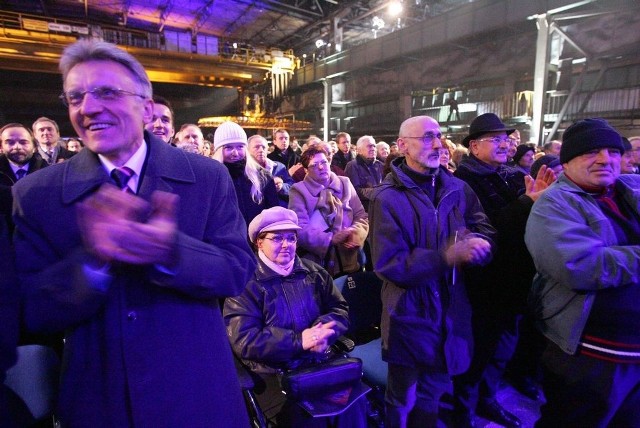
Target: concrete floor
x,y
526,409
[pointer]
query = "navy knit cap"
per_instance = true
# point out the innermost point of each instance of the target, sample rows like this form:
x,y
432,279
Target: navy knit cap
x,y
586,135
521,150
551,161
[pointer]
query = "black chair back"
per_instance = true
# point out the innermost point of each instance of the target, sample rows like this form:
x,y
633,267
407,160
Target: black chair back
x,y
362,291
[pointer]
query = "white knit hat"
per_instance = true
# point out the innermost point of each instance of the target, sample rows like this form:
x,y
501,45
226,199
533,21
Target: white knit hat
x,y
229,133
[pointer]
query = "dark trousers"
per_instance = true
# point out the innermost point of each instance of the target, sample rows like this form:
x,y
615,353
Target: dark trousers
x,y
412,397
526,359
586,392
495,337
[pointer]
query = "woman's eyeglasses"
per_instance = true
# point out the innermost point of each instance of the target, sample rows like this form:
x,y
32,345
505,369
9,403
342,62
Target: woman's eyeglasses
x,y
279,239
323,164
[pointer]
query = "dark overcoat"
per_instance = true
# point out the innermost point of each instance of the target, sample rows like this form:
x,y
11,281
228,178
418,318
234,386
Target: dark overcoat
x,y
151,349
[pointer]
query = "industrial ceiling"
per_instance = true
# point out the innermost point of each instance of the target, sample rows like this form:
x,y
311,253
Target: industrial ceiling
x,y
284,24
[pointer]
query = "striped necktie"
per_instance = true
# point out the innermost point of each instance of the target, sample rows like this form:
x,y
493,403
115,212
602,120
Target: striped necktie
x,y
121,177
20,173
49,157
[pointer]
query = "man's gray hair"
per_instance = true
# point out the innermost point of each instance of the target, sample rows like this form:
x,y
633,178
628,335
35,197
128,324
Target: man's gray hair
x,y
363,141
93,50
45,119
257,137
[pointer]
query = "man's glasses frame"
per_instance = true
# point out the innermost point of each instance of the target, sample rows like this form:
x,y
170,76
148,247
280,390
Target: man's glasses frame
x,y
103,93
427,137
495,140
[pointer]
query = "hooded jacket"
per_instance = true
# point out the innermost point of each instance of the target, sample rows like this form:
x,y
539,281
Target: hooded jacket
x,y
426,318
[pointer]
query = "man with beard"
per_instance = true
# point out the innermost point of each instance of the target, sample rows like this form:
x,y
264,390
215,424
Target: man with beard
x,y
18,160
47,134
426,332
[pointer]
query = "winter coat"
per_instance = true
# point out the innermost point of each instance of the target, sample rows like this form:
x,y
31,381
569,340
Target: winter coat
x,y
265,322
504,284
144,347
364,175
248,207
315,235
577,255
426,319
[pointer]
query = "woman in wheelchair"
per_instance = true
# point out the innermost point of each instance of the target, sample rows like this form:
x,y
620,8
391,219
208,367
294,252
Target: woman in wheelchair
x,y
287,317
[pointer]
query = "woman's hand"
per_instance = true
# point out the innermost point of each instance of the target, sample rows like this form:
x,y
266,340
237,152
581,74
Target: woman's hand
x,y
316,338
344,238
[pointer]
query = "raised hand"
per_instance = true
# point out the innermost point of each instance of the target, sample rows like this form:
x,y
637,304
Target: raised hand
x,y
534,188
117,226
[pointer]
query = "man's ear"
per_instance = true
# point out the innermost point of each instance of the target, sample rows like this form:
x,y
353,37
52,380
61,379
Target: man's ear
x,y
473,147
402,145
148,110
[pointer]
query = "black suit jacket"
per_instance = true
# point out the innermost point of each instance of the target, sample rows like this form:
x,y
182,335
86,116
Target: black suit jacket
x,y
8,179
63,154
288,157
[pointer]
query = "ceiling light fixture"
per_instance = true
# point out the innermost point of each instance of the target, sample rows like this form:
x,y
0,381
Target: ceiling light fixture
x,y
394,8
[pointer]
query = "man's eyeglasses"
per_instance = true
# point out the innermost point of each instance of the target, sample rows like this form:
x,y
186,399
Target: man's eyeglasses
x,y
323,164
279,239
103,93
495,140
427,137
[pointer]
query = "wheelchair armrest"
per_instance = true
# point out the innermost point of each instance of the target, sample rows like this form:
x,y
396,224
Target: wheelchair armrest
x,y
343,345
244,374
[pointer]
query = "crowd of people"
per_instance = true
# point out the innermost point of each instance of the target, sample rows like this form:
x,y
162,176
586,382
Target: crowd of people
x,y
150,259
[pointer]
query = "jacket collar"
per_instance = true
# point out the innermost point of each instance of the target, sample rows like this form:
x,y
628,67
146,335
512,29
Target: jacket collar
x,y
263,273
399,178
366,162
627,184
315,188
84,173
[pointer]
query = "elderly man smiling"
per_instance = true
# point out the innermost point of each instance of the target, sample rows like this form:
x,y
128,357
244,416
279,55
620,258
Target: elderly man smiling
x,y
584,236
132,278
